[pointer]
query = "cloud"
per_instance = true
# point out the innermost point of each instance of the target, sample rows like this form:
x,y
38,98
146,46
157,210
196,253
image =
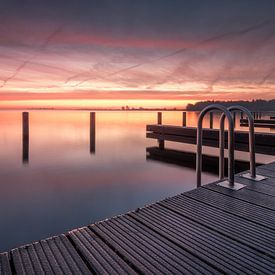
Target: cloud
x,y
210,40
28,61
187,46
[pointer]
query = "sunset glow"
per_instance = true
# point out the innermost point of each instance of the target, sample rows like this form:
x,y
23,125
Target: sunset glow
x,y
112,53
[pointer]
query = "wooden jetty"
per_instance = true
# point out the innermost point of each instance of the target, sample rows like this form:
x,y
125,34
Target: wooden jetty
x,y
264,123
264,142
210,163
209,230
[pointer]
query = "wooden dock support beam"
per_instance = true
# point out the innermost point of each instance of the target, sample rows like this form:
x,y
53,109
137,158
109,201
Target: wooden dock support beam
x,y
92,132
184,119
160,141
25,137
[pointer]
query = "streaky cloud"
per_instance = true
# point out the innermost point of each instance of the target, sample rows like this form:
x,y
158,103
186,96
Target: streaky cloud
x,y
215,38
28,61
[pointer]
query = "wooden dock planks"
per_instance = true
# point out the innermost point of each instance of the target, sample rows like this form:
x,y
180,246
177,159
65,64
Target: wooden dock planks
x,y
209,230
258,237
215,249
55,255
99,256
151,252
240,208
5,267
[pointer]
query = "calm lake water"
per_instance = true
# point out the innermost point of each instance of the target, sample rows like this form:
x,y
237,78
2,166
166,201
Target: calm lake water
x,y
64,186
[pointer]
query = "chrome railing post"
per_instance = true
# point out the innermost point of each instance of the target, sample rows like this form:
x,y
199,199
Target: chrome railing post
x,y
252,175
199,150
231,172
231,147
221,147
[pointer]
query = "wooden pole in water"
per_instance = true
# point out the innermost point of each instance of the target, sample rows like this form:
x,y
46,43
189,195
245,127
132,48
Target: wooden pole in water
x,y
25,137
159,118
184,119
211,120
92,132
160,141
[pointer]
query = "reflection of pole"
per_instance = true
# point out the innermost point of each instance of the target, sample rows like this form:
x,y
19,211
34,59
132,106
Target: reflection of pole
x,y
25,137
92,132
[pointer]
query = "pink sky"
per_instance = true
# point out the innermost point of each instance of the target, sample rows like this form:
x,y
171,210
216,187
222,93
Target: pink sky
x,y
56,58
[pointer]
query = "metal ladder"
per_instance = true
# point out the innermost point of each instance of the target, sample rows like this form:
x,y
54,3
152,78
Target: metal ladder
x,y
226,113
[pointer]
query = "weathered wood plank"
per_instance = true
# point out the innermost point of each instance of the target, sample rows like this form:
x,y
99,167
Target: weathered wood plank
x,y
259,125
264,141
5,268
55,255
135,255
245,194
270,166
266,172
266,186
245,210
100,257
258,121
211,134
256,236
173,254
214,248
163,254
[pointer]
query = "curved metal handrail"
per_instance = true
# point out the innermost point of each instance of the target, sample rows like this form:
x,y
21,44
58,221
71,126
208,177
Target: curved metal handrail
x,y
252,175
251,141
230,142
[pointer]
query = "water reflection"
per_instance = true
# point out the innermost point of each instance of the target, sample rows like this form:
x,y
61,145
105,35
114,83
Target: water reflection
x,y
63,187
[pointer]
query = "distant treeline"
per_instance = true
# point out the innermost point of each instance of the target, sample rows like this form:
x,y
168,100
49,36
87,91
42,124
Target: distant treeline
x,y
254,105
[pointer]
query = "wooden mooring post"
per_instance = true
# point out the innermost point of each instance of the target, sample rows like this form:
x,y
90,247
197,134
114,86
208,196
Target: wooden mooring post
x,y
160,141
92,132
25,137
184,119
